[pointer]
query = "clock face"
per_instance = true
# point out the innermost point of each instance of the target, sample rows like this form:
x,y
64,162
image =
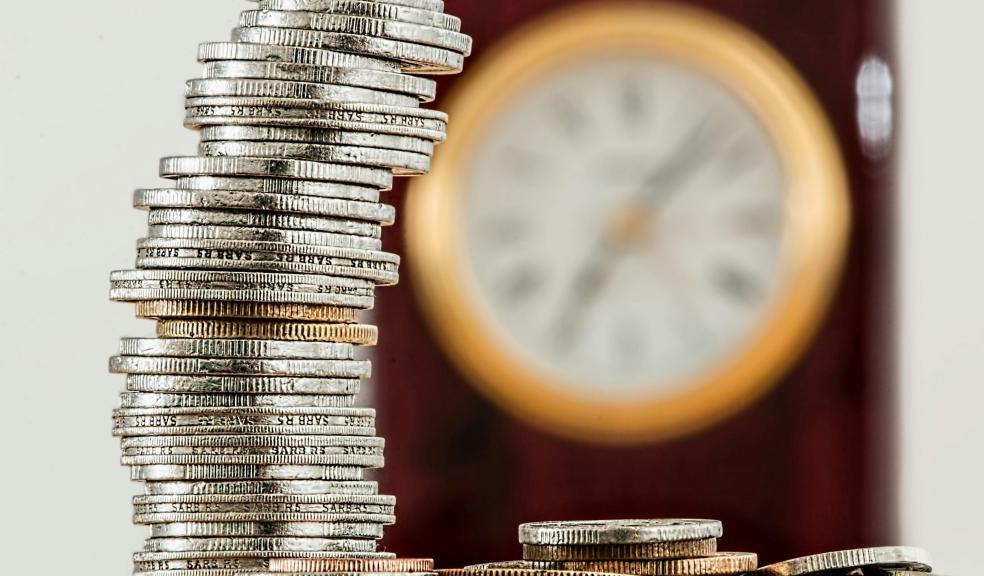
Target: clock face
x,y
635,226
624,224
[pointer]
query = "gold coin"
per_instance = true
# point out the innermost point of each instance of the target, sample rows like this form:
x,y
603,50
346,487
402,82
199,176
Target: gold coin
x,y
326,565
722,563
358,334
252,310
647,551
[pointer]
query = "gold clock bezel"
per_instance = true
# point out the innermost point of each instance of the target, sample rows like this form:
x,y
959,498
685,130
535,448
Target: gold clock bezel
x,y
817,220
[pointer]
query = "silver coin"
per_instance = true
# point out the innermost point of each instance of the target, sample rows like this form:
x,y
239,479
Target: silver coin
x,y
240,366
177,254
280,513
279,221
255,529
423,88
174,167
267,555
258,545
237,200
262,235
212,51
288,89
593,532
262,487
276,186
904,557
137,285
235,348
331,455
402,163
169,566
172,417
168,400
193,472
416,58
381,273
379,10
288,252
248,385
313,115
430,5
308,136
347,445
359,26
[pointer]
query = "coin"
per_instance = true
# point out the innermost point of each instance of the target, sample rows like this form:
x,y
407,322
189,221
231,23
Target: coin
x,y
184,384
254,529
239,200
357,334
210,51
261,487
168,400
351,565
436,18
235,348
720,563
647,551
164,473
236,216
240,366
617,531
173,167
259,544
270,185
402,163
163,309
903,557
312,136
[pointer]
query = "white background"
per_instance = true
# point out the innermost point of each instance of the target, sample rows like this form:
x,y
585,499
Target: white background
x,y
90,97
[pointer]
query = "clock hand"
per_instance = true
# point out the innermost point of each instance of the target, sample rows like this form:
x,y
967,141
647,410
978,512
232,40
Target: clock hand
x,y
657,187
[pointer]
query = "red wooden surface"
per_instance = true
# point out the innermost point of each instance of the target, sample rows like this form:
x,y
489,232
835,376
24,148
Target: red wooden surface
x,y
809,468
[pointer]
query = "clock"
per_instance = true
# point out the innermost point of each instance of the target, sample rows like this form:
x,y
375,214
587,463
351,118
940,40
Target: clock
x,y
636,225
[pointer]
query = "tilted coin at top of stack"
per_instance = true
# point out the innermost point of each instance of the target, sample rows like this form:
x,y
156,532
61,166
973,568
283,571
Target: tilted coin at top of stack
x,y
240,415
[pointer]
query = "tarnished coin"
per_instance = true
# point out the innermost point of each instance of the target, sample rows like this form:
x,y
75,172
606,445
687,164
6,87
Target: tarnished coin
x,y
262,487
287,445
164,309
647,551
164,473
592,532
255,529
722,563
357,334
429,5
354,565
266,514
903,557
276,385
258,545
515,568
235,348
169,400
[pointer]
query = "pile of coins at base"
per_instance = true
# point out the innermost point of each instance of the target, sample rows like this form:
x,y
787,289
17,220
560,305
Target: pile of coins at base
x,y
240,416
675,547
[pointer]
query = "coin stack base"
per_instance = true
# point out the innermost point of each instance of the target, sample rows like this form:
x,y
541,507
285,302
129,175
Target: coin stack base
x,y
240,417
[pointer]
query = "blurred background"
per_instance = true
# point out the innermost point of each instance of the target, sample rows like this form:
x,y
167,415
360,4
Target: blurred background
x,y
721,267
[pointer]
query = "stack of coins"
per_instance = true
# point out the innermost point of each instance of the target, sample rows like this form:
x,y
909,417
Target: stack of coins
x,y
883,561
240,416
656,547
